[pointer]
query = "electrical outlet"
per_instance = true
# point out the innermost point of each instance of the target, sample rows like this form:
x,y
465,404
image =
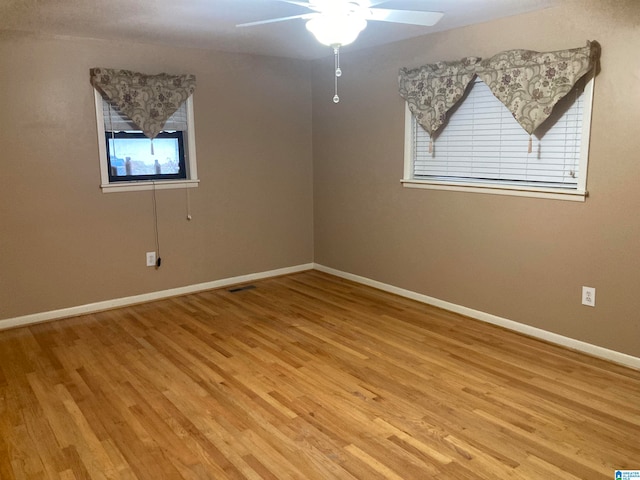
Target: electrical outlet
x,y
589,296
151,259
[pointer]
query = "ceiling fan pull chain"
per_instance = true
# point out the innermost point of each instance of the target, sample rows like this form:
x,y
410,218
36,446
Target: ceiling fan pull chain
x,y
338,72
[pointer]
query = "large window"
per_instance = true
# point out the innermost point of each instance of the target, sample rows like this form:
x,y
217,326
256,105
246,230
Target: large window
x,y
482,148
131,161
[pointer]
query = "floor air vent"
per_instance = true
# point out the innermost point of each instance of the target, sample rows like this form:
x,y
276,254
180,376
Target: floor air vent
x,y
240,289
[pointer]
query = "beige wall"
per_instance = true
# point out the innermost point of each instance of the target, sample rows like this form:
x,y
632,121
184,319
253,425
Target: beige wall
x,y
64,243
523,259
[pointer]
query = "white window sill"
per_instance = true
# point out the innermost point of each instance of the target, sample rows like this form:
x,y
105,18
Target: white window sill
x,y
148,185
518,191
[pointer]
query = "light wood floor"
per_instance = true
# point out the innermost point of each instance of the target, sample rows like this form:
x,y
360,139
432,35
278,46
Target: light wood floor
x,y
306,377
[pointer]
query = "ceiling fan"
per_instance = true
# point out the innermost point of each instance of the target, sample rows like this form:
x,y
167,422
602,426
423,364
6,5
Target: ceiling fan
x,y
339,22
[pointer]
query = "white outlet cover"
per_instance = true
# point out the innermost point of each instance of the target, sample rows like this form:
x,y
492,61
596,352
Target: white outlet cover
x,y
151,259
589,296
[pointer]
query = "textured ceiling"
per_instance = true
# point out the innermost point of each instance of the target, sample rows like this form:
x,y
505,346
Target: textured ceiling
x,y
211,23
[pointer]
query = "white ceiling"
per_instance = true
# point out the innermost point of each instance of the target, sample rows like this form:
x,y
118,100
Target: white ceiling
x,y
211,24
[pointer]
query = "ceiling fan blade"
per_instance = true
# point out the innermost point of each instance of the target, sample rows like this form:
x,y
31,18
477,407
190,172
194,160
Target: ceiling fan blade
x,y
371,3
275,20
411,17
295,2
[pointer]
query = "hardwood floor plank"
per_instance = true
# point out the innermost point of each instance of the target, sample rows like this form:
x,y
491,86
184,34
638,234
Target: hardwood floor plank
x,y
306,376
414,444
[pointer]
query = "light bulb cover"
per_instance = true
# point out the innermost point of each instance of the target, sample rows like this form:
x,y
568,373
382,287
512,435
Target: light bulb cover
x,y
336,29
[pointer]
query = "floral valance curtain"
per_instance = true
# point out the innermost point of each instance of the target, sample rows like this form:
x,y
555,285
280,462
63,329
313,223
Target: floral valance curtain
x,y
148,100
528,83
432,90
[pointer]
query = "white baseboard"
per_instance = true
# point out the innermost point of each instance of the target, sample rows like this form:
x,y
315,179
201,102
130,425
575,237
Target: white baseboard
x,y
571,343
594,350
146,297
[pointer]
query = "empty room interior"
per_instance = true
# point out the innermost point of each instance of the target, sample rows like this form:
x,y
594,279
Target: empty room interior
x,y
303,292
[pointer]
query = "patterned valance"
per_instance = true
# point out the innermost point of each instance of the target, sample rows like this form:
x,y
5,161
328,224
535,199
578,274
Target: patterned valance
x,y
528,83
148,100
432,90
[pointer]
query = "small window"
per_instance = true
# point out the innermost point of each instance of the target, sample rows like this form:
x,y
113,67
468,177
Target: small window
x,y
482,148
131,161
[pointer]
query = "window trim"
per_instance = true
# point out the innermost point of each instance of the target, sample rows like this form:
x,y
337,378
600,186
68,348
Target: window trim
x,y
578,194
135,185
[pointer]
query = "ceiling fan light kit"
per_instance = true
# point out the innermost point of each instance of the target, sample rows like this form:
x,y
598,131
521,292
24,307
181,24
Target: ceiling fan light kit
x,y
336,23
334,29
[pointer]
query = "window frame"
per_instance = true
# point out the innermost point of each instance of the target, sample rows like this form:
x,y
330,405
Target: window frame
x,y
578,194
191,170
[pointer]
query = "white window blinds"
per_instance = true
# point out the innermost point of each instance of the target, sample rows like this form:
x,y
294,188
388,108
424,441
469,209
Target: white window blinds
x,y
116,121
482,142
